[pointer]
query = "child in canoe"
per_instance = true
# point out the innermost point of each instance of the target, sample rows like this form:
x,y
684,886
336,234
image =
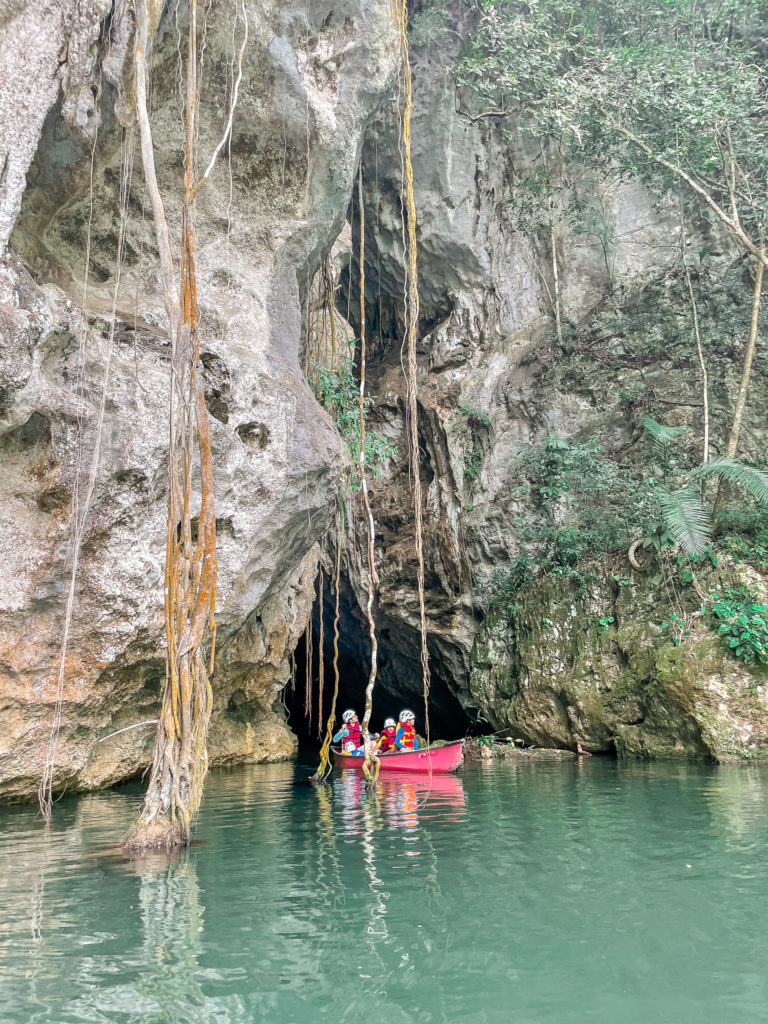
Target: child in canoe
x,y
350,731
405,734
387,739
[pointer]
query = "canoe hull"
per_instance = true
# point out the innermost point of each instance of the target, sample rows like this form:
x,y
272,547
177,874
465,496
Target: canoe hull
x,y
434,759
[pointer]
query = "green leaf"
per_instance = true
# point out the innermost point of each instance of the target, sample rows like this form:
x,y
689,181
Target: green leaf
x,y
685,518
751,479
660,434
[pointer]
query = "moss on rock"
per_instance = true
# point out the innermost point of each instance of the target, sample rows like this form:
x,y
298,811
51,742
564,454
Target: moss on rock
x,y
612,668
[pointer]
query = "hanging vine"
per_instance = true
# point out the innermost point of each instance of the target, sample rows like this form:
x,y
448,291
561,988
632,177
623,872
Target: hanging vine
x,y
308,658
81,504
180,760
411,298
320,661
371,762
325,764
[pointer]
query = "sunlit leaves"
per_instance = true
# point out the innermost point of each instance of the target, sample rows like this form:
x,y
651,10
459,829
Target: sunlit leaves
x,y
688,79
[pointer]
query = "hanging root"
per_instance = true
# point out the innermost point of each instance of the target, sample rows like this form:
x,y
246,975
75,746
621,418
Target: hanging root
x,y
80,509
324,767
308,670
411,298
180,760
373,578
320,662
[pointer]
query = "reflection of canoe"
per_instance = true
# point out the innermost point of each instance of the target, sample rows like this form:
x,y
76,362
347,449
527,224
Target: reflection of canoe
x,y
435,759
444,787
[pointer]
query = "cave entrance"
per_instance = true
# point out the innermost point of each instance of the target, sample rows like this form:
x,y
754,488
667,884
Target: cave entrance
x,y
398,683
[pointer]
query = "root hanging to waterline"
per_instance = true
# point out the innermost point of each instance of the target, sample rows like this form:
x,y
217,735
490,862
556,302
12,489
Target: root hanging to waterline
x,y
325,764
180,760
81,509
371,762
411,299
320,662
308,670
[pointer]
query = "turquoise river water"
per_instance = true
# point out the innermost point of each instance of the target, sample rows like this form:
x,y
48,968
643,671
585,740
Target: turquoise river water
x,y
531,892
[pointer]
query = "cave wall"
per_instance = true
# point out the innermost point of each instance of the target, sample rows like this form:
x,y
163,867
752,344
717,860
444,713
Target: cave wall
x,y
312,81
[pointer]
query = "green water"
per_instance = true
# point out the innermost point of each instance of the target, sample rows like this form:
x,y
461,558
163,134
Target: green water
x,y
532,893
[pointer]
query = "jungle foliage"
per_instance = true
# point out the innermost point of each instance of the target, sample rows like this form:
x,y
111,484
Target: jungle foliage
x,y
337,391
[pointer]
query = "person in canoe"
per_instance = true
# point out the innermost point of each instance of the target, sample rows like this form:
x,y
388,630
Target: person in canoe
x,y
387,739
405,734
350,731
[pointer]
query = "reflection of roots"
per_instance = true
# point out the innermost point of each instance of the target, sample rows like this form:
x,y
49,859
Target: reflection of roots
x,y
639,558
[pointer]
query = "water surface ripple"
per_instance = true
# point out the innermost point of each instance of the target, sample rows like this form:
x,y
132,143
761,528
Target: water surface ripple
x,y
539,893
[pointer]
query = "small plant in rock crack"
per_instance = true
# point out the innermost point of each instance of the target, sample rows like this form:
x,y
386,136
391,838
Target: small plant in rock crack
x,y
743,623
606,622
478,424
677,628
338,392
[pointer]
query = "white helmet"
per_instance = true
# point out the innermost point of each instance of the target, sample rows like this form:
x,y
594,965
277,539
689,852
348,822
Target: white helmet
x,y
407,716
348,715
389,723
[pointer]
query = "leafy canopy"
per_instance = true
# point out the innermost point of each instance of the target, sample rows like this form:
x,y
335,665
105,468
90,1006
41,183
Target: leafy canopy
x,y
634,82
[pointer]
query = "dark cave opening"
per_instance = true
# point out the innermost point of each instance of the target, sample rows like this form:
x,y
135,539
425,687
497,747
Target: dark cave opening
x,y
398,682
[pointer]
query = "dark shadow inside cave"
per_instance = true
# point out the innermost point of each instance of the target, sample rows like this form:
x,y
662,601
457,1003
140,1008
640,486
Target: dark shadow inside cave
x,y
398,682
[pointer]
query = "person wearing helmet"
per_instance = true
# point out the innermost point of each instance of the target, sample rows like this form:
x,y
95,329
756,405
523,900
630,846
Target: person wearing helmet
x,y
405,734
387,741
350,730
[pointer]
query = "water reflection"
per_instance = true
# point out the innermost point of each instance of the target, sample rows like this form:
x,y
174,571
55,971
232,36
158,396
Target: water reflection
x,y
172,922
403,797
551,892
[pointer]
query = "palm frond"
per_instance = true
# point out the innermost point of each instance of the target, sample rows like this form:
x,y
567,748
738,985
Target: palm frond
x,y
751,479
660,433
685,518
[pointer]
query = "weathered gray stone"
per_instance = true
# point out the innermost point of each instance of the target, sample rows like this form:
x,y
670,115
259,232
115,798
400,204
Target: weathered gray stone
x,y
310,88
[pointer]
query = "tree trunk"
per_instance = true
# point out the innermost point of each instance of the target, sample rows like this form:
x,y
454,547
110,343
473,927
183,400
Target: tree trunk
x,y
741,399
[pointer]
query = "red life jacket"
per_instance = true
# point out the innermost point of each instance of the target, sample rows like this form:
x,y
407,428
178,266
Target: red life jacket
x,y
354,734
387,739
408,735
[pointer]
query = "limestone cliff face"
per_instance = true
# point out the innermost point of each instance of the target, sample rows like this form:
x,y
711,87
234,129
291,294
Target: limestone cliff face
x,y
608,667
493,381
312,81
318,94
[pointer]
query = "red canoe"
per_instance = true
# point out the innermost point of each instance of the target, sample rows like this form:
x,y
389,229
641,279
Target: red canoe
x,y
435,759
